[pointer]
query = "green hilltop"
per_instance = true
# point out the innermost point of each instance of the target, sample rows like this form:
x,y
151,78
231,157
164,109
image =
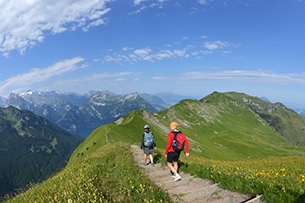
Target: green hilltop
x,y
231,128
221,126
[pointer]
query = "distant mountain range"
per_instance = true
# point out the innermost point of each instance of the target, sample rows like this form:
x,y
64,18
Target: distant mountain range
x,y
80,114
31,148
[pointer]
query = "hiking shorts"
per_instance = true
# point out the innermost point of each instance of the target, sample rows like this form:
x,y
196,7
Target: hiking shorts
x,y
173,157
148,150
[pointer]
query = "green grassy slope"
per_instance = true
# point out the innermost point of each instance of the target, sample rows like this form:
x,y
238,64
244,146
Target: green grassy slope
x,y
128,129
107,175
230,144
218,128
285,121
227,141
227,131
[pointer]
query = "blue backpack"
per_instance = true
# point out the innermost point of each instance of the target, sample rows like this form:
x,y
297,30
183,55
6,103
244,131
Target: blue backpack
x,y
148,139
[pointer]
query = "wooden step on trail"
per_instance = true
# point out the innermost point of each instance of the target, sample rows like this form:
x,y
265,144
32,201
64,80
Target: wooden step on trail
x,y
189,189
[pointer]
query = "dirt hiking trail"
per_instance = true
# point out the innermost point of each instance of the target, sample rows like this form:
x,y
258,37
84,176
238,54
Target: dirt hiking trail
x,y
189,189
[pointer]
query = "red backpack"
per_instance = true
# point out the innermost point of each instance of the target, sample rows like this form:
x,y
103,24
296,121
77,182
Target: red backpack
x,y
179,141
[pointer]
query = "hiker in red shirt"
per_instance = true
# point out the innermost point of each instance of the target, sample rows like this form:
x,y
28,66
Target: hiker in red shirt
x,y
172,154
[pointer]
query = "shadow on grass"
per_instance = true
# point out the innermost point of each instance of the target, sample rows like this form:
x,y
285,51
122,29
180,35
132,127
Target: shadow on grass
x,y
301,199
158,157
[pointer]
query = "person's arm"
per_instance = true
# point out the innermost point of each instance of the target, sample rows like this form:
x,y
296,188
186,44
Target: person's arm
x,y
142,142
186,147
154,144
169,142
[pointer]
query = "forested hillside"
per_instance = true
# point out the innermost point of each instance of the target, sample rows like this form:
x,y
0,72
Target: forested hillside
x,y
32,149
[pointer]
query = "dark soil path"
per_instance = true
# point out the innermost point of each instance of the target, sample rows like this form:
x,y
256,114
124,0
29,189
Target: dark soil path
x,y
189,189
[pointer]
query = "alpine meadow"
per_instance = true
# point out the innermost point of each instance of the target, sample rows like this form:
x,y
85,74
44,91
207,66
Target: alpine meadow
x,y
245,144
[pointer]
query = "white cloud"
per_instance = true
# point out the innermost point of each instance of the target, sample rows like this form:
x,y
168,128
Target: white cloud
x,y
142,52
216,45
175,50
145,54
103,76
247,75
37,75
126,48
119,76
26,23
116,58
180,53
137,2
145,4
203,2
164,54
138,10
162,1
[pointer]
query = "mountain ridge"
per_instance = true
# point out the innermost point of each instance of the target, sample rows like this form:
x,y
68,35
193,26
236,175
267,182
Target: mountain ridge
x,y
284,120
218,116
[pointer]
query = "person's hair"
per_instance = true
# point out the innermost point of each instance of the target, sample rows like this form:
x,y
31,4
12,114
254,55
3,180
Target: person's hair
x,y
173,126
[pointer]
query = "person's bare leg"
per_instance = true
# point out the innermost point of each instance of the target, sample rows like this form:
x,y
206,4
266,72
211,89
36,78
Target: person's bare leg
x,y
176,166
171,168
151,158
177,176
145,158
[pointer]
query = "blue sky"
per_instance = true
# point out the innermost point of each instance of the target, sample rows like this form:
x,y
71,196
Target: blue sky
x,y
186,47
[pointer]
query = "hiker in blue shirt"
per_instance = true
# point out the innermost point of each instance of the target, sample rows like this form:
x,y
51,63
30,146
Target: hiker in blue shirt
x,y
148,144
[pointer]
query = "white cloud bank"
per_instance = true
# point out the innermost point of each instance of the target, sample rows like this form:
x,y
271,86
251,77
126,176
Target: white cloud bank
x,y
178,50
39,75
26,23
247,75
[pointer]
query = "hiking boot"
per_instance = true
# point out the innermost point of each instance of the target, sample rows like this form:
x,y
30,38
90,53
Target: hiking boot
x,y
177,177
152,164
145,163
